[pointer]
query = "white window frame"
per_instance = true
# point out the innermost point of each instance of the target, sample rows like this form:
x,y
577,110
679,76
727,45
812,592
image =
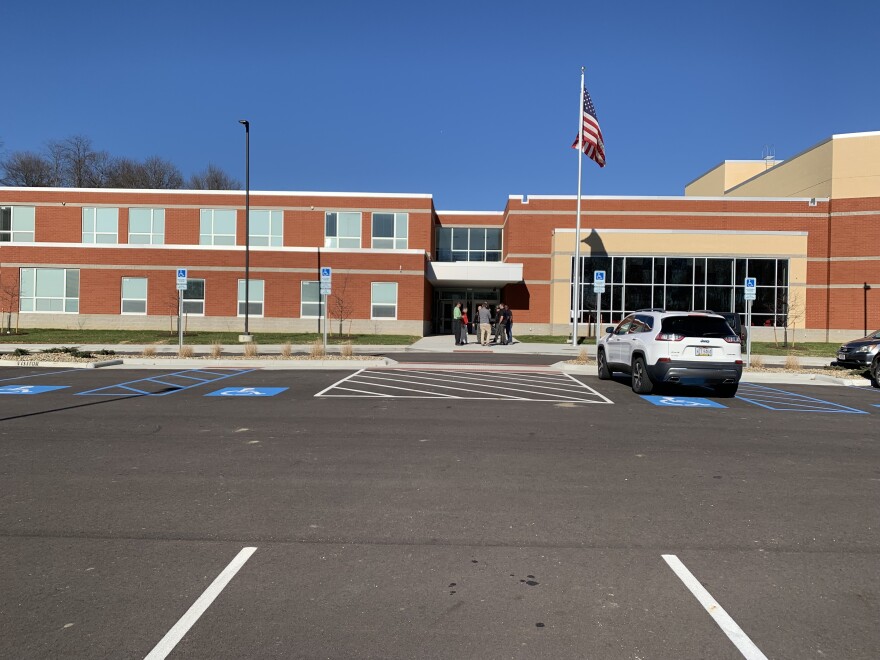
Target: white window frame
x,y
302,300
256,287
28,279
156,233
374,304
21,224
93,217
275,220
400,237
209,233
194,301
133,299
337,240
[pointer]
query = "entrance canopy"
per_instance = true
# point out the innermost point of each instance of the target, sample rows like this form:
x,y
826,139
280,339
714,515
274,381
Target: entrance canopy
x,y
473,274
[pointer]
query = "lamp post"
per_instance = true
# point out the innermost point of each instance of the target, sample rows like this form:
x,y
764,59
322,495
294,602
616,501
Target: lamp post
x,y
865,288
247,226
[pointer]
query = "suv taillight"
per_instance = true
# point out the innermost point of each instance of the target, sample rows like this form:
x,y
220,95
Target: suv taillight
x,y
731,339
669,336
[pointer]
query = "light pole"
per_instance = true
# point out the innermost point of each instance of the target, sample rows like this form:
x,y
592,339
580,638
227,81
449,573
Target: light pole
x,y
247,226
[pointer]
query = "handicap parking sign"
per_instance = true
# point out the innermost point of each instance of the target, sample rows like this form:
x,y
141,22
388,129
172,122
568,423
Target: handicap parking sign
x,y
248,391
682,401
29,389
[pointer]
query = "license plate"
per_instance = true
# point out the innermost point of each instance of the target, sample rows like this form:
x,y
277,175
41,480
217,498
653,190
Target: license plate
x,y
702,350
841,356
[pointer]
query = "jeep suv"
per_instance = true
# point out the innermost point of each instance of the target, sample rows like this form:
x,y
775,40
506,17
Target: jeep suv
x,y
659,347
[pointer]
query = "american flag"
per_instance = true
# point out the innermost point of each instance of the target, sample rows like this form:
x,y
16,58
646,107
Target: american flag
x,y
593,145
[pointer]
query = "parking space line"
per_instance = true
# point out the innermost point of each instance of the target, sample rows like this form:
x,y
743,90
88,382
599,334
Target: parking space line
x,y
781,400
173,636
480,379
113,390
43,373
458,385
722,618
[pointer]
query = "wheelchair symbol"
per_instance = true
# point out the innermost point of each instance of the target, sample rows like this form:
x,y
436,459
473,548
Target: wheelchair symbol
x,y
244,391
17,389
674,401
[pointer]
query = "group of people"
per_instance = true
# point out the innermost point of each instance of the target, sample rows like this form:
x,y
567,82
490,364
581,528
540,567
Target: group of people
x,y
497,329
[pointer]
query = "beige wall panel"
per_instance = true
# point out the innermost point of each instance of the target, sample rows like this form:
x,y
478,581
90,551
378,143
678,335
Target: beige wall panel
x,y
856,170
711,184
807,175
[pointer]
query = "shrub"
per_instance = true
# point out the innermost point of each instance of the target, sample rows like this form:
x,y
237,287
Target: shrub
x,y
792,362
251,350
216,349
757,362
21,352
286,349
317,349
347,349
149,351
185,352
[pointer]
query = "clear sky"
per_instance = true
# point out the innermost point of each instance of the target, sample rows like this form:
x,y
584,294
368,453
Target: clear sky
x,y
469,101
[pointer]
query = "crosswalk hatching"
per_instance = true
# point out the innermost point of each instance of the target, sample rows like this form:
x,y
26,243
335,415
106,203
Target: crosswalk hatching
x,y
462,383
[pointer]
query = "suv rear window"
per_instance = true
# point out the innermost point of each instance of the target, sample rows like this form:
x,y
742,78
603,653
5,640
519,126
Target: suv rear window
x,y
696,326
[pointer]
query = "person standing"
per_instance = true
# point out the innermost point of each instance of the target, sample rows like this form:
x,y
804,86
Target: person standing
x,y
509,324
484,316
504,324
500,325
464,326
456,323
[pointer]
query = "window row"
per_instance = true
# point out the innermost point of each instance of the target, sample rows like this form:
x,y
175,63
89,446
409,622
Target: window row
x,y
146,226
57,290
468,244
684,284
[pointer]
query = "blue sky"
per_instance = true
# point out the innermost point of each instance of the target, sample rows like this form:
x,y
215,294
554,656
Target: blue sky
x,y
470,101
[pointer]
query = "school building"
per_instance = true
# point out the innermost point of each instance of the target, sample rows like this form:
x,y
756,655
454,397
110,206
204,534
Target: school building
x,y
808,229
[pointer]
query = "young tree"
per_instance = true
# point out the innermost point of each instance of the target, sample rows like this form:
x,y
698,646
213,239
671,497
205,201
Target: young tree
x,y
340,306
9,297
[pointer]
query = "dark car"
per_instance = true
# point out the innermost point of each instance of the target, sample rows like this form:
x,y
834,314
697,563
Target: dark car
x,y
733,321
862,353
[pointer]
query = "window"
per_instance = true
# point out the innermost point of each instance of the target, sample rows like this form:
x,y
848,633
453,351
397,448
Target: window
x,y
134,295
194,297
468,244
254,298
266,227
683,284
16,224
100,225
342,230
217,227
49,290
384,300
146,226
390,230
310,305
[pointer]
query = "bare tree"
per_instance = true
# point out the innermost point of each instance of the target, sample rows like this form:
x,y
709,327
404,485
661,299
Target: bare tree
x,y
161,173
26,168
79,165
341,307
212,178
9,297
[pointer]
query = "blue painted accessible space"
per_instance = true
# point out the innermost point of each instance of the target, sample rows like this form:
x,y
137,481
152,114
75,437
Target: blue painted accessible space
x,y
772,398
248,391
681,401
29,389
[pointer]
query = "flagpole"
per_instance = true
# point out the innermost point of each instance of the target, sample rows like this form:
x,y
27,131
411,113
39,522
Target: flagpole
x,y
577,235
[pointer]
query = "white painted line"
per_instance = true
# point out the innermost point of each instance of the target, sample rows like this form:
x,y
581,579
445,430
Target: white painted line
x,y
487,387
722,618
585,386
339,381
173,637
457,388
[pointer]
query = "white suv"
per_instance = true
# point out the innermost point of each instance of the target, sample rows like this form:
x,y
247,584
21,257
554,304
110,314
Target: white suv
x,y
659,347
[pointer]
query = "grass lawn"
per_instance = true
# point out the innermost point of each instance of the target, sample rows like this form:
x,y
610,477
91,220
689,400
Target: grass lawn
x,y
800,349
122,337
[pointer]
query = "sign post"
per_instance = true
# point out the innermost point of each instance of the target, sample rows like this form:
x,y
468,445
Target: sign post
x,y
326,276
181,287
749,294
598,289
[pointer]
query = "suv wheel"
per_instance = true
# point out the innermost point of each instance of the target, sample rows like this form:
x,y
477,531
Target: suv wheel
x,y
641,381
875,372
726,391
604,371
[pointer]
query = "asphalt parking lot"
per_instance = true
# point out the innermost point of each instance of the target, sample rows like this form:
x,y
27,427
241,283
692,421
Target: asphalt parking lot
x,y
513,512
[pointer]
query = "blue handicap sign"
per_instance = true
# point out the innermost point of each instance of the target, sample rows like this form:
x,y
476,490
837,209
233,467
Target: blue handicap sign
x,y
682,401
29,389
248,391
